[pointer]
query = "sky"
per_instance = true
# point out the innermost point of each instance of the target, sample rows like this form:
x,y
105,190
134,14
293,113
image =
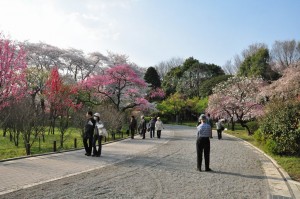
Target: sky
x,y
152,31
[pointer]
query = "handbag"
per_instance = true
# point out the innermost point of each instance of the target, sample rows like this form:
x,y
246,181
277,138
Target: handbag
x,y
102,131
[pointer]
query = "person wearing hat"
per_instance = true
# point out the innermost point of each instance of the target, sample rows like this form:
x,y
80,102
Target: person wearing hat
x,y
158,126
88,133
99,126
203,143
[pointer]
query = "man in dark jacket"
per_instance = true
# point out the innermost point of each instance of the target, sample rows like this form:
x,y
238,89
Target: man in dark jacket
x,y
143,126
152,127
88,133
132,126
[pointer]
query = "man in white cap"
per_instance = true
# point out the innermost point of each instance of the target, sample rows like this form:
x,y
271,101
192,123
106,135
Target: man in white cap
x,y
203,143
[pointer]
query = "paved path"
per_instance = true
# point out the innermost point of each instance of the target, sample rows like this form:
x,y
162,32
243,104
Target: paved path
x,y
150,168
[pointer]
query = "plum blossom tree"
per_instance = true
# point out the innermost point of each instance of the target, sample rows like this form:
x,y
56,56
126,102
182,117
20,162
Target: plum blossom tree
x,y
61,98
236,100
12,75
120,85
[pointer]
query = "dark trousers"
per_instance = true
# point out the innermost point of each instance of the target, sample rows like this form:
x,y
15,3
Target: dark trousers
x,y
158,133
143,133
152,132
219,131
203,144
97,138
87,143
132,131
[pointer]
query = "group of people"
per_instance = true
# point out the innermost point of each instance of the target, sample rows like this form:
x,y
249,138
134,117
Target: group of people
x,y
204,133
94,132
155,124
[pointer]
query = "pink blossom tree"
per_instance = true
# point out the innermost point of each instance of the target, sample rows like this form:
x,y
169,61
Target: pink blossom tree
x,y
236,100
120,85
12,75
61,99
287,87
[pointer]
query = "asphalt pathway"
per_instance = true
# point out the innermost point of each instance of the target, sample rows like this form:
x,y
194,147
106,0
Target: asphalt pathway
x,y
150,168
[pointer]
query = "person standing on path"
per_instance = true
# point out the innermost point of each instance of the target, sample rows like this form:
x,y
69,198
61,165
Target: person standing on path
x,y
97,136
143,126
152,127
132,126
158,126
88,133
220,128
203,143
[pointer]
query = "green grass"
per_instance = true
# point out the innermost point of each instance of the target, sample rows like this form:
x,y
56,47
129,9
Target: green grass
x,y
9,150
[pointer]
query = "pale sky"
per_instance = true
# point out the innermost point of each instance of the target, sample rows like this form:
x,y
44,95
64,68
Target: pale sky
x,y
151,31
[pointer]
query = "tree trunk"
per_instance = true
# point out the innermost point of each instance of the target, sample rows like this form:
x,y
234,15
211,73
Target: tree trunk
x,y
232,124
244,124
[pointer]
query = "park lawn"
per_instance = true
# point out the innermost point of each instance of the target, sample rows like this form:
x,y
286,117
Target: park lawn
x,y
9,150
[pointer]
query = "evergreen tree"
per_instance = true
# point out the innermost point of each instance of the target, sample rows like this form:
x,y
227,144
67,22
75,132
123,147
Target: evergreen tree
x,y
152,78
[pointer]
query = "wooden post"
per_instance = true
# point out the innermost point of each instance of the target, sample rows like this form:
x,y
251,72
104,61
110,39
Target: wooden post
x,y
54,146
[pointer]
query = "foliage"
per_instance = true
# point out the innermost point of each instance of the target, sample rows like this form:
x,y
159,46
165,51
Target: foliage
x,y
257,65
194,75
152,78
12,75
280,127
172,105
207,86
171,80
253,126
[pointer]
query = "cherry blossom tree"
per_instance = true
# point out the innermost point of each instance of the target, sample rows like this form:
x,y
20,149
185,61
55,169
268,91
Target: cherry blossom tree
x,y
287,87
236,100
12,76
120,85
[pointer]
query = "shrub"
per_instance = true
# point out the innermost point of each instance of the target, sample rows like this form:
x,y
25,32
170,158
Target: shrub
x,y
281,125
253,126
258,136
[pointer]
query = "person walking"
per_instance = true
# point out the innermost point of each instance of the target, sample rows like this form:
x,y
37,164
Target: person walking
x,y
203,143
98,136
152,127
220,128
143,126
159,126
88,133
132,126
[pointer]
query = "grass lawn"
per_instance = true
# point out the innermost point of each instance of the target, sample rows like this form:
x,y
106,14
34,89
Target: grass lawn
x,y
9,150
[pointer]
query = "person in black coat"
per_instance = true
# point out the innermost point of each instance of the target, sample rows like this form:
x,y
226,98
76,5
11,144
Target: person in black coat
x,y
132,126
143,126
88,133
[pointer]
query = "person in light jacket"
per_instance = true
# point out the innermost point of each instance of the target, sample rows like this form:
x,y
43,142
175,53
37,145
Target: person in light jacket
x,y
97,136
159,126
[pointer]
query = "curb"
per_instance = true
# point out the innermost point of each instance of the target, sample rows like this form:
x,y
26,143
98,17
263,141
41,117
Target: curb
x,y
293,186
